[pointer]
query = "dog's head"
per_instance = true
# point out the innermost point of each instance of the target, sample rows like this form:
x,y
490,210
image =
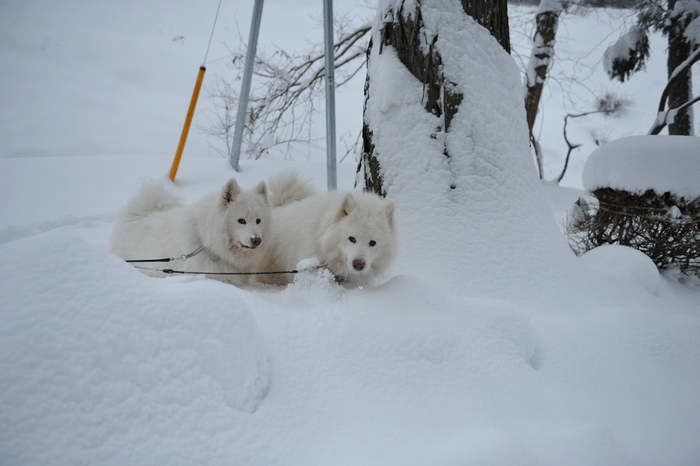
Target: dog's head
x,y
362,238
246,219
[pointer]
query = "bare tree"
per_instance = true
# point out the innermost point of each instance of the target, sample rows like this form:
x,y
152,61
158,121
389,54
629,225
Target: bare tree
x,y
288,89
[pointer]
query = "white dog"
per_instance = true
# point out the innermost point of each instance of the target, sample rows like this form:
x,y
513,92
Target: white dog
x,y
225,232
352,234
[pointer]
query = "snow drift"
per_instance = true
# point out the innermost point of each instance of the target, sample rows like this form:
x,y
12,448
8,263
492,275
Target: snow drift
x,y
88,347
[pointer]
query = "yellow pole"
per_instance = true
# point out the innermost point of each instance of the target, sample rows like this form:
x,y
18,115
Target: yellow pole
x,y
188,122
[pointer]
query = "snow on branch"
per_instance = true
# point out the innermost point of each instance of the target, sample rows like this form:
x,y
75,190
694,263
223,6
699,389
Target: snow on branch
x,y
692,32
628,55
667,116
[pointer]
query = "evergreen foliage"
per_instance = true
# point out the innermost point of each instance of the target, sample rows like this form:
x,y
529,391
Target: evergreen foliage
x,y
628,55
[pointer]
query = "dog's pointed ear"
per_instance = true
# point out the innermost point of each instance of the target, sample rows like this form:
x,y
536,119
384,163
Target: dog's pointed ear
x,y
261,189
346,207
389,211
230,191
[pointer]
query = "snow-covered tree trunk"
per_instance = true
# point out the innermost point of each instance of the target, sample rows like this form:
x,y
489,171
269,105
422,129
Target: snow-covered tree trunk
x,y
493,15
679,49
445,137
547,20
403,27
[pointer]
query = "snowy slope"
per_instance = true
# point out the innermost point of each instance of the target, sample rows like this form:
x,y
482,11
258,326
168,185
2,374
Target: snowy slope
x,y
103,365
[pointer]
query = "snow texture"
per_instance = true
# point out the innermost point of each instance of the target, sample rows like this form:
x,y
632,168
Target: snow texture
x,y
84,339
623,262
639,163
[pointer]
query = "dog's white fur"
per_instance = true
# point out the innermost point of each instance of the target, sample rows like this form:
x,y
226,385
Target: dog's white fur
x,y
351,234
232,225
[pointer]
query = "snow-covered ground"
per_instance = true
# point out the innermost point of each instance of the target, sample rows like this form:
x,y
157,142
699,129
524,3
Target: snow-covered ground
x,y
103,365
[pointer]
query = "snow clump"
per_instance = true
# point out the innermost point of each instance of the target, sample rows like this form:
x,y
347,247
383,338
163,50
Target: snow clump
x,y
639,163
625,263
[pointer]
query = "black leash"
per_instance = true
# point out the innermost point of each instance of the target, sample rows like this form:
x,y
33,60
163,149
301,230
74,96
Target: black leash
x,y
183,257
182,272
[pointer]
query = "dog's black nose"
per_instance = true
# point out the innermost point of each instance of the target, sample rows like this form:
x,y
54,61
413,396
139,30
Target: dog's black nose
x,y
358,264
256,241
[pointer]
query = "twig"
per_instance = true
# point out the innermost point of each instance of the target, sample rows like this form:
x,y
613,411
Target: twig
x,y
568,143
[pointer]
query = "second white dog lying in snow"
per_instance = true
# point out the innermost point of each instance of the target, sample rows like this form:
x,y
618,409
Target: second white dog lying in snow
x,y
351,234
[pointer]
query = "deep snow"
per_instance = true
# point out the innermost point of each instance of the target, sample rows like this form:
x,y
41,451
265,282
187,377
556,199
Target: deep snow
x,y
103,365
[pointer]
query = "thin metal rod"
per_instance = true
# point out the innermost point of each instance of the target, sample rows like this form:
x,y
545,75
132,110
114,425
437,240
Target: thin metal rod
x,y
330,93
235,154
204,63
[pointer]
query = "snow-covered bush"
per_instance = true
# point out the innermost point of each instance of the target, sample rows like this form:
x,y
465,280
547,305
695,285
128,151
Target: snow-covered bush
x,y
648,198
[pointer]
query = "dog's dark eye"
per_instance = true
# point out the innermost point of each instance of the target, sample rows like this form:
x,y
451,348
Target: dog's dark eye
x,y
241,221
257,221
372,243
352,239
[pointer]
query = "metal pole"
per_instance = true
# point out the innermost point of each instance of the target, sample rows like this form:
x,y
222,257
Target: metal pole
x,y
330,93
245,84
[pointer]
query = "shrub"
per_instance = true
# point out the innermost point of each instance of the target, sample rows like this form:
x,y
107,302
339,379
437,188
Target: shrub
x,y
665,227
612,105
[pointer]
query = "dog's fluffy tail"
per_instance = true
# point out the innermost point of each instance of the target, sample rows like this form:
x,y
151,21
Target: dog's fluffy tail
x,y
288,187
152,197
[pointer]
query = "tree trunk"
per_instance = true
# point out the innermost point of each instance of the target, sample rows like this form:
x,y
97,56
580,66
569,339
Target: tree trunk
x,y
493,15
681,90
547,20
445,137
404,31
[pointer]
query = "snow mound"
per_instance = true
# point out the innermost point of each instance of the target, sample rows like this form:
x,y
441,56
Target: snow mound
x,y
493,323
91,346
639,163
625,263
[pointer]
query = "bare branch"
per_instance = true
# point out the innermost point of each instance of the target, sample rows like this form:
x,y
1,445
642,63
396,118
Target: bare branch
x,y
568,143
288,88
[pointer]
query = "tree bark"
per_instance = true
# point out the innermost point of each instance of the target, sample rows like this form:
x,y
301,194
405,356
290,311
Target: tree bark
x,y
493,15
403,31
681,89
